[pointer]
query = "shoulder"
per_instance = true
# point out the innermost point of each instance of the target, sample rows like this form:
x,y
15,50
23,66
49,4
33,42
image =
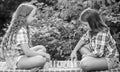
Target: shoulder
x,y
103,35
22,31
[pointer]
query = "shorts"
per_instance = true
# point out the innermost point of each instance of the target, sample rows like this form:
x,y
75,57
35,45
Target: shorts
x,y
112,62
12,62
17,60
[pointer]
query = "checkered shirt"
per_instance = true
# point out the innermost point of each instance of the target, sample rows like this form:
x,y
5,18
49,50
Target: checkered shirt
x,y
102,45
21,37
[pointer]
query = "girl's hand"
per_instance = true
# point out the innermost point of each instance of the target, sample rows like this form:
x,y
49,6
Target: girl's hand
x,y
44,54
47,57
73,55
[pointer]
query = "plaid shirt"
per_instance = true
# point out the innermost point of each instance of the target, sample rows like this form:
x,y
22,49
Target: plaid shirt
x,y
102,45
22,37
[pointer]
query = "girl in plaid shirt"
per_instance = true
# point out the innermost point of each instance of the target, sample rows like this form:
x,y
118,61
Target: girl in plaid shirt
x,y
97,46
17,39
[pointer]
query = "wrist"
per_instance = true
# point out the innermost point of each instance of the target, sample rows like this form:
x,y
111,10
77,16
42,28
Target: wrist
x,y
92,55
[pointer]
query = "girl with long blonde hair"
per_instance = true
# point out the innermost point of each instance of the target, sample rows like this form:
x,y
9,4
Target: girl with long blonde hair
x,y
17,39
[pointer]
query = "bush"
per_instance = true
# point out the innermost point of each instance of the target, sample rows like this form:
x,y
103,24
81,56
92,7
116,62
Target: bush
x,y
58,29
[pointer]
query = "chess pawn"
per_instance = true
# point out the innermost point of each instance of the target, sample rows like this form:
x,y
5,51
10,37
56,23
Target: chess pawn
x,y
72,65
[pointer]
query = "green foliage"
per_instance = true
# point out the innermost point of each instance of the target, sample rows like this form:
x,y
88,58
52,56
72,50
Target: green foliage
x,y
56,34
69,9
112,16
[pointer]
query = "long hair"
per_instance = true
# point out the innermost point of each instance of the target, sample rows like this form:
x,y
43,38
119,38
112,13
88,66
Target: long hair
x,y
18,21
94,20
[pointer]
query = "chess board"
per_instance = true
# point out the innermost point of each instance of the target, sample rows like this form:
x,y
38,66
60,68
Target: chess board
x,y
54,66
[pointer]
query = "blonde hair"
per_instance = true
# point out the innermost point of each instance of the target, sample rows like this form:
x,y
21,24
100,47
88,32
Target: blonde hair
x,y
18,21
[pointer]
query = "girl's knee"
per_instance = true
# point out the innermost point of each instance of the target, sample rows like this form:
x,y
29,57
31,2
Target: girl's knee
x,y
40,60
31,62
85,65
41,47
